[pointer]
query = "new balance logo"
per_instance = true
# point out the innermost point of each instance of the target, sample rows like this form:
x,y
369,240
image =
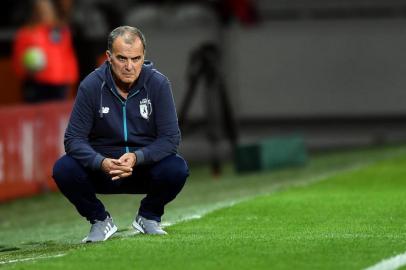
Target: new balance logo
x,y
105,110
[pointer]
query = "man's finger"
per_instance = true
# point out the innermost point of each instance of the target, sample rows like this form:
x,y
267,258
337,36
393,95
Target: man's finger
x,y
116,172
123,175
126,168
119,172
123,159
116,161
121,168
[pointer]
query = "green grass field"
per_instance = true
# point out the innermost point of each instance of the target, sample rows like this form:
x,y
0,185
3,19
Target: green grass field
x,y
343,210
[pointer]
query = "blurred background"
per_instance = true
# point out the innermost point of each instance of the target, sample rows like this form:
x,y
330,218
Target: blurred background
x,y
328,71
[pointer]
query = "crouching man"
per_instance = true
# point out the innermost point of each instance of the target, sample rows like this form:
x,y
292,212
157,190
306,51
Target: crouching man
x,y
122,138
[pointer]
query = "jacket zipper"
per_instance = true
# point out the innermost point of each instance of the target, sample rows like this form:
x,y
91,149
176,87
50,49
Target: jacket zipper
x,y
127,149
124,109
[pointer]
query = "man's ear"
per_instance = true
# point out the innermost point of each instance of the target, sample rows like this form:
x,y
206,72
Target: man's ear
x,y
108,55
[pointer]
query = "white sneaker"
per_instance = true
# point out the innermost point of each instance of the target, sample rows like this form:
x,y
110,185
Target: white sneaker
x,y
147,226
101,230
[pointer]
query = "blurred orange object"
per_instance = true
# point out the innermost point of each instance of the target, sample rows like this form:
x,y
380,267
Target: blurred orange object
x,y
60,61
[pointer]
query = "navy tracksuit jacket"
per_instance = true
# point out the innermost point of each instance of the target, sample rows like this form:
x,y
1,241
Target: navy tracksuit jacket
x,y
102,124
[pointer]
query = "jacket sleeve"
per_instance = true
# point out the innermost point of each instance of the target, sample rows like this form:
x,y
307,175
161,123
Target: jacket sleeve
x,y
77,134
166,123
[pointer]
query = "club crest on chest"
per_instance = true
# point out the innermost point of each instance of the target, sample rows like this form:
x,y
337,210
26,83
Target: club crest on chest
x,y
145,108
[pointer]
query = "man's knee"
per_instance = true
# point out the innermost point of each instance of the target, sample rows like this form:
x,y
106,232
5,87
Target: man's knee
x,y
65,169
172,169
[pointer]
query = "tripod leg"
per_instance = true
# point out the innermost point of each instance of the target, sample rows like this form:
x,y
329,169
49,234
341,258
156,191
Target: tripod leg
x,y
229,121
191,90
213,125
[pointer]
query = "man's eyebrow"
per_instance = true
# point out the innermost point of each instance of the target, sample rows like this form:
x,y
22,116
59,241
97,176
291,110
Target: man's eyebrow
x,y
122,56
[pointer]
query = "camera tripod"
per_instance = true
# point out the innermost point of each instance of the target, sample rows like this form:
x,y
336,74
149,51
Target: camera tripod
x,y
205,66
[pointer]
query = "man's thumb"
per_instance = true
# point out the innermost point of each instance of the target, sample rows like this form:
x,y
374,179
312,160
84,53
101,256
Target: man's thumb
x,y
116,161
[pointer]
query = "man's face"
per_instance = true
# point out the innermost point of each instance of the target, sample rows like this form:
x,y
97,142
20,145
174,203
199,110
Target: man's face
x,y
126,59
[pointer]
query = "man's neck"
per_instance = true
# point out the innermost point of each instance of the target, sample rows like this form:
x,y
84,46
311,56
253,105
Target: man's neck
x,y
122,88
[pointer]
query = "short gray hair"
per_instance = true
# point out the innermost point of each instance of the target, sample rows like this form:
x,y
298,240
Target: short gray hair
x,y
129,33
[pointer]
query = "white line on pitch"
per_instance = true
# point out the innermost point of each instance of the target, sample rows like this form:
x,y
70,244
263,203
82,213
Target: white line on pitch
x,y
33,258
390,263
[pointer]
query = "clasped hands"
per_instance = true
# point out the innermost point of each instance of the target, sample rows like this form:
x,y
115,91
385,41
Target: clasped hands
x,y
119,168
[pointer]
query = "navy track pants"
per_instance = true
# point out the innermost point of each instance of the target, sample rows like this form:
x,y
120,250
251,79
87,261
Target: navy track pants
x,y
161,182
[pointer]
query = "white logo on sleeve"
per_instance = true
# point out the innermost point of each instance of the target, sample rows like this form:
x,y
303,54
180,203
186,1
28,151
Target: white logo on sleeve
x,y
145,108
105,110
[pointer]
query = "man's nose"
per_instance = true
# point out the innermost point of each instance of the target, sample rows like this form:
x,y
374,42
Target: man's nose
x,y
128,65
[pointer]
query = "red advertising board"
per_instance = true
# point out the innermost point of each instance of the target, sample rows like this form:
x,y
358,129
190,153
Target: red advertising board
x,y
31,139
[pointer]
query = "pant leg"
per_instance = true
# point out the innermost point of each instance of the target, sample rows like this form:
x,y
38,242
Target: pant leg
x,y
161,182
166,179
75,182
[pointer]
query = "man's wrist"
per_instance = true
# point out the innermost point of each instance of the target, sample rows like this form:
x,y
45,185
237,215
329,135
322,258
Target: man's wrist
x,y
139,157
97,162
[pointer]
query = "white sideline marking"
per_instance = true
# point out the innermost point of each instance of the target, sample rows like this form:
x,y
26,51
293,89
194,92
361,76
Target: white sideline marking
x,y
33,258
390,263
202,212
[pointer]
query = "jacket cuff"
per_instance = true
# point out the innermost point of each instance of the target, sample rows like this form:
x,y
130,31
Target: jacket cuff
x,y
140,157
96,164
